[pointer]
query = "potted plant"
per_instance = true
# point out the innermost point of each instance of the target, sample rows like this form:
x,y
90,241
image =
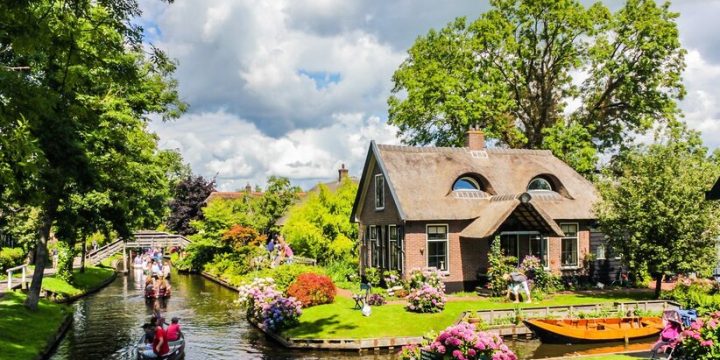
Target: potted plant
x,y
473,317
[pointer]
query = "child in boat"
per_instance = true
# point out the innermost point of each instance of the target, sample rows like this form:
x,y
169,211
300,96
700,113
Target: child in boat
x,y
670,333
173,330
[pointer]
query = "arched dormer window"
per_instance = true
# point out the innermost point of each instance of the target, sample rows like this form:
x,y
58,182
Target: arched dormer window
x,y
466,183
540,184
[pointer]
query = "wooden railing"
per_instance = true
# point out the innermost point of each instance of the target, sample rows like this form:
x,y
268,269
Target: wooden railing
x,y
10,276
142,239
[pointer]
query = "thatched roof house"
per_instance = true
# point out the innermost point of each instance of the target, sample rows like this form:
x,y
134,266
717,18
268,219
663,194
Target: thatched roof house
x,y
441,206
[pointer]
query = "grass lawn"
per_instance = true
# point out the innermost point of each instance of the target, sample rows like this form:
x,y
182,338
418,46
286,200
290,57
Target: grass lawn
x,y
341,320
108,261
91,278
25,333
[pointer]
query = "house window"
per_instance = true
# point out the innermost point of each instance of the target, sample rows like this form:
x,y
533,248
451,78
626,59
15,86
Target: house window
x,y
522,244
466,184
394,247
437,245
374,253
379,192
539,184
600,252
569,245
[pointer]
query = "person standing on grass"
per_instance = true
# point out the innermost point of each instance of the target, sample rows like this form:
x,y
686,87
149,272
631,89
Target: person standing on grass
x,y
287,251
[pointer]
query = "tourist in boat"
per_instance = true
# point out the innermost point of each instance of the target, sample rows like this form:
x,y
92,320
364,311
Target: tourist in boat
x,y
166,270
173,330
155,268
517,280
148,339
160,343
157,315
149,287
163,287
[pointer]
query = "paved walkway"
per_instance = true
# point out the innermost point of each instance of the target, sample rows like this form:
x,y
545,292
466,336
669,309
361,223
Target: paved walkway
x,y
17,277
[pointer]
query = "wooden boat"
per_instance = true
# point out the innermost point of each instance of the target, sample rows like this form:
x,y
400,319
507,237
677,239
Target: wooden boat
x,y
177,350
594,330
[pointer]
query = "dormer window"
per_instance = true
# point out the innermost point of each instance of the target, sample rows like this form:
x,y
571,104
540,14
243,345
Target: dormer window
x,y
539,184
466,184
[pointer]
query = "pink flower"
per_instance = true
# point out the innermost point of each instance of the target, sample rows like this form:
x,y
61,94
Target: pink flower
x,y
706,343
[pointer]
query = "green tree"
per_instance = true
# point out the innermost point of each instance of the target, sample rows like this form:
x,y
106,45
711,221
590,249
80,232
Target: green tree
x,y
653,207
219,215
320,226
279,195
515,70
84,91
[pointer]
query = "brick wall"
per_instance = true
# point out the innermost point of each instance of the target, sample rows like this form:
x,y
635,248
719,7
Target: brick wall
x,y
370,216
555,250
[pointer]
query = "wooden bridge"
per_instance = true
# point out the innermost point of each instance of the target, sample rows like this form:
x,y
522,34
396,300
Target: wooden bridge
x,y
140,239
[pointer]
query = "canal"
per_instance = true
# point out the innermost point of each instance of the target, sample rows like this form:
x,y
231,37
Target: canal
x,y
107,326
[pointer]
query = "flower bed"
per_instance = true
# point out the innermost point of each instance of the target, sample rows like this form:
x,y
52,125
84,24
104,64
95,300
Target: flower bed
x,y
427,299
376,300
701,341
462,342
267,307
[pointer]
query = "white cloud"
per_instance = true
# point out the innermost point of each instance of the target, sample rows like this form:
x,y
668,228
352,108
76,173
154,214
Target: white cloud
x,y
702,102
238,152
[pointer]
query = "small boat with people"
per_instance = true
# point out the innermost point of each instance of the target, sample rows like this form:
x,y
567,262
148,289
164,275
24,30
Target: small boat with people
x,y
157,288
575,331
175,348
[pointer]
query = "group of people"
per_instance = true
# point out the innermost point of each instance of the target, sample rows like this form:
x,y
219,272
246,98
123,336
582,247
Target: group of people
x,y
279,250
156,273
157,338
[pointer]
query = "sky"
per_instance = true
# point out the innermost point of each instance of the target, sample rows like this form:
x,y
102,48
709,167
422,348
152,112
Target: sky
x,y
296,88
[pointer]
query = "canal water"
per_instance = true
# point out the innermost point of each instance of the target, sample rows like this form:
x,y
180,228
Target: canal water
x,y
107,326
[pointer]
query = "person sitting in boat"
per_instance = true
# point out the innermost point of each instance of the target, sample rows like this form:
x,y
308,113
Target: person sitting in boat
x,y
517,280
149,337
157,317
669,334
155,268
166,270
149,287
163,287
160,345
173,330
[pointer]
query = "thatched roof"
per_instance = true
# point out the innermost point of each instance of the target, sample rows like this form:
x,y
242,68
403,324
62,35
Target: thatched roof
x,y
421,181
231,195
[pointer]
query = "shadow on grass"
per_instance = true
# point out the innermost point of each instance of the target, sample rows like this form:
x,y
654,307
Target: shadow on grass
x,y
326,325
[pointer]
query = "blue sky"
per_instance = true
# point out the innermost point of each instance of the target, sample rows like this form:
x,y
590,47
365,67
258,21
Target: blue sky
x,y
297,87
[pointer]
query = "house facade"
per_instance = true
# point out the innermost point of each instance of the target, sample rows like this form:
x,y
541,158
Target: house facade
x,y
442,207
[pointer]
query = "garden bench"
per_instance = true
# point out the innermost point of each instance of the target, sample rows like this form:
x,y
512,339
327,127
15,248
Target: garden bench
x,y
361,298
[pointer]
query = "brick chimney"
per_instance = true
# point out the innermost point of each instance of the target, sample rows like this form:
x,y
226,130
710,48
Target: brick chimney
x,y
248,188
342,173
475,139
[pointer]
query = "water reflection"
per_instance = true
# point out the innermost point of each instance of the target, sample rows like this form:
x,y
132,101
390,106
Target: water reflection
x,y
107,326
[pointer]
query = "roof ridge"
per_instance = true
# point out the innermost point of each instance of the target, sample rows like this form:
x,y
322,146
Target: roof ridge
x,y
495,150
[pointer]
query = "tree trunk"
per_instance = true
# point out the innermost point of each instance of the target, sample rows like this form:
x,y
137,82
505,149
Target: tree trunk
x,y
658,284
41,257
84,251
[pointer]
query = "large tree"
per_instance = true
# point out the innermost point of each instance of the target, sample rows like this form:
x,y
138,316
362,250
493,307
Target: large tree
x,y
653,206
187,201
543,74
76,74
279,195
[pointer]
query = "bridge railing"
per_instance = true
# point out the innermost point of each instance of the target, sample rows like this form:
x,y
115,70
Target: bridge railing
x,y
10,276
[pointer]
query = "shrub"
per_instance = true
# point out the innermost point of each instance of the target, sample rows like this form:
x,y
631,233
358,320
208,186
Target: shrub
x,y
266,307
410,352
543,280
240,236
313,289
10,257
283,275
401,293
701,341
499,266
373,276
700,295
464,342
419,278
230,265
427,299
392,279
376,300
343,272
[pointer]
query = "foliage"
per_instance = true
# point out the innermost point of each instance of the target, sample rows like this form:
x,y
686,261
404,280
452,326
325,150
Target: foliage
x,y
703,296
499,265
426,299
188,198
515,70
266,306
20,226
10,257
279,195
219,215
419,278
543,280
392,278
313,289
238,263
464,342
239,236
653,207
373,276
376,300
282,275
410,352
197,254
701,341
66,257
319,227
343,272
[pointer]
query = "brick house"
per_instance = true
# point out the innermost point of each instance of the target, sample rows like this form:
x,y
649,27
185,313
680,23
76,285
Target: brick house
x,y
441,207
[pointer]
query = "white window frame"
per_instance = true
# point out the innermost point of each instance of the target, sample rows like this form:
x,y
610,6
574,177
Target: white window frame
x,y
604,252
545,240
447,246
470,180
382,188
543,179
577,246
373,242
